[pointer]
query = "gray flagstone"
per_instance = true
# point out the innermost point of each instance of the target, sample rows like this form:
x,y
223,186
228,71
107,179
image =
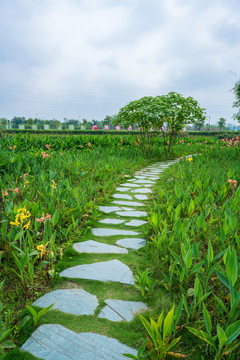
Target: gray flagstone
x,y
132,213
72,301
134,222
122,196
132,243
142,191
144,182
141,197
55,342
96,247
122,189
111,221
112,270
130,185
118,310
112,232
130,203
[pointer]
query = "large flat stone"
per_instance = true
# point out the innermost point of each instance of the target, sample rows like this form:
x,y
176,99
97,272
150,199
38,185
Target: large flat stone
x,y
55,342
132,243
122,189
132,213
130,185
141,197
72,301
109,209
96,247
141,191
111,221
122,196
129,203
140,177
136,222
112,232
118,310
143,182
112,270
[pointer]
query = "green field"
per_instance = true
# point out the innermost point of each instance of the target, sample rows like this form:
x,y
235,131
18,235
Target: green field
x,y
51,188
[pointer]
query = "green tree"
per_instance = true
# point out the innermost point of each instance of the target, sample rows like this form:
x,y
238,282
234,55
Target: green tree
x,y
169,112
221,123
236,91
177,112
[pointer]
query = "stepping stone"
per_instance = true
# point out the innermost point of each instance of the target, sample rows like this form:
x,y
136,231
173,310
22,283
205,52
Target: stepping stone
x,y
132,213
132,243
136,223
122,189
130,203
130,185
141,177
142,191
118,310
141,197
108,209
112,232
96,247
71,301
112,270
111,221
153,177
53,341
122,196
144,182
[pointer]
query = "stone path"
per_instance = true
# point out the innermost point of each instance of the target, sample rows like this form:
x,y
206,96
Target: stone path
x,y
125,211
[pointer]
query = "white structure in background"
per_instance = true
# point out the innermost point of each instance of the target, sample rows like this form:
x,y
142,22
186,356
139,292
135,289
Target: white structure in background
x,y
21,127
83,127
34,127
46,127
106,127
71,127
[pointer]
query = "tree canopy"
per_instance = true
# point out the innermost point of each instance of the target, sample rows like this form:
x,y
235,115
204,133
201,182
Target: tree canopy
x,y
172,110
236,91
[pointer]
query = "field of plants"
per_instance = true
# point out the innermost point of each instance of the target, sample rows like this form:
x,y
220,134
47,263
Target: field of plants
x,y
189,271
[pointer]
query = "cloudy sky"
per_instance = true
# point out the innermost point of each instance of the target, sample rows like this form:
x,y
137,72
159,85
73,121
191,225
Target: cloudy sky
x,y
88,58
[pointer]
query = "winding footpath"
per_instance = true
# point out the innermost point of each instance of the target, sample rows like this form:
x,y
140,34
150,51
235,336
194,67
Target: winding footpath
x,y
53,341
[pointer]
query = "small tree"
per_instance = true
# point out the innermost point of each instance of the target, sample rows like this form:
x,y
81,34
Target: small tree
x,y
236,91
177,112
172,110
222,123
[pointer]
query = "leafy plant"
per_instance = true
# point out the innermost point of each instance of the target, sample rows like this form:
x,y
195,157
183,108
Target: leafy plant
x,y
224,341
144,283
37,315
159,343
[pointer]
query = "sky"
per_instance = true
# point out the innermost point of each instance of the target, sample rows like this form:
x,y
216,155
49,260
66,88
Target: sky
x,y
88,58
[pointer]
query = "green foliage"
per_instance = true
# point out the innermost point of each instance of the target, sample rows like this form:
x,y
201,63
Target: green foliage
x,y
172,110
160,335
236,91
144,283
37,315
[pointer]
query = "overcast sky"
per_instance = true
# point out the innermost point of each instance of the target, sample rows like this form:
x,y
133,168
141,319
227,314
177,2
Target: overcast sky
x,y
88,58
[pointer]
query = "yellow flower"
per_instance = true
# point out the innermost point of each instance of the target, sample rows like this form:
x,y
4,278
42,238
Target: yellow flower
x,y
26,226
190,159
54,185
42,248
16,223
22,214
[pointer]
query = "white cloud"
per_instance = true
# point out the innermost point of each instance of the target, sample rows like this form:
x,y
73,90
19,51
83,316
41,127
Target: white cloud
x,y
62,55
